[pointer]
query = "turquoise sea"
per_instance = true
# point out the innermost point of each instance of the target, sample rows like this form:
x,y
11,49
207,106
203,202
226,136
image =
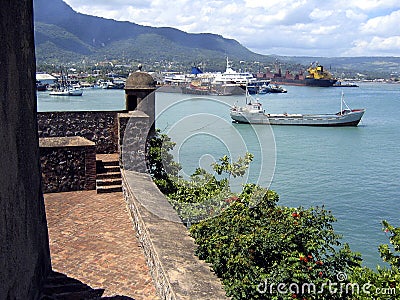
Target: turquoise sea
x,y
352,171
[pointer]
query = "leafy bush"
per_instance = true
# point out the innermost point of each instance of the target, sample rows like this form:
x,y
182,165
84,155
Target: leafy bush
x,y
256,248
203,195
384,283
262,250
160,163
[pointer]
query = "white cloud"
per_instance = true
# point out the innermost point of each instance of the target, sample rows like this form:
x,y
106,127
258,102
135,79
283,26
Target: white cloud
x,y
373,5
286,27
318,14
376,46
383,26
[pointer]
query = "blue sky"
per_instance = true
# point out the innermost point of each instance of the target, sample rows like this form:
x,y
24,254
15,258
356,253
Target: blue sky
x,y
284,27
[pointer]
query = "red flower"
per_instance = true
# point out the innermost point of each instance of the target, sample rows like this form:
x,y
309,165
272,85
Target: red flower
x,y
231,199
303,258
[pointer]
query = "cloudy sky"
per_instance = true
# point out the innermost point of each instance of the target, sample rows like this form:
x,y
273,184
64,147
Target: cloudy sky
x,y
283,27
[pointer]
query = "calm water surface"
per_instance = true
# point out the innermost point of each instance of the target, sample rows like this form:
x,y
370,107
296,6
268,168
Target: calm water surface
x,y
354,172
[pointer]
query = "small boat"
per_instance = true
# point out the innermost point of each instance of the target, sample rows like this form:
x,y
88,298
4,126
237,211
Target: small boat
x,y
253,89
345,84
66,91
107,85
40,86
65,88
253,113
274,88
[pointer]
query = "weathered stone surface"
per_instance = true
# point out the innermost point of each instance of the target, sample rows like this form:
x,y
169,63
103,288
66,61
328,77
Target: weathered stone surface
x,y
24,250
140,95
68,164
100,127
133,132
92,240
56,142
140,80
177,272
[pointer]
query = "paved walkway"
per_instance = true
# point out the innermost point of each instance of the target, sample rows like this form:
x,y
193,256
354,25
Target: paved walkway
x,y
92,239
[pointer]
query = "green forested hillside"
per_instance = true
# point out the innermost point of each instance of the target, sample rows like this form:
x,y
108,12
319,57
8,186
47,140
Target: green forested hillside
x,y
62,33
63,36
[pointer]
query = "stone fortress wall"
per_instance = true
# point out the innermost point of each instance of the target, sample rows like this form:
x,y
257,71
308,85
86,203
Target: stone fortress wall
x,y
24,246
70,138
100,127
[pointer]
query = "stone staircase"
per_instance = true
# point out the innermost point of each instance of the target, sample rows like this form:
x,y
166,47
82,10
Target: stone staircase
x,y
108,178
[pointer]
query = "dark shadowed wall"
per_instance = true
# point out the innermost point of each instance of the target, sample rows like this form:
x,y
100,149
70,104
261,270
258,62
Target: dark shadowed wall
x,y
24,250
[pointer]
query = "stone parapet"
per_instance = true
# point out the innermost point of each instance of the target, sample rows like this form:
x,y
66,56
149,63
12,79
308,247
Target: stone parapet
x,y
67,164
133,130
169,250
100,127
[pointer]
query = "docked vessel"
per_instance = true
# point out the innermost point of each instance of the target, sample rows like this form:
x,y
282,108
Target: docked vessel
x,y
234,78
229,82
316,76
65,88
345,84
253,113
66,91
272,88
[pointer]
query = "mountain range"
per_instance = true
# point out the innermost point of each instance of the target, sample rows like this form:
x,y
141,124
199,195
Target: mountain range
x,y
64,36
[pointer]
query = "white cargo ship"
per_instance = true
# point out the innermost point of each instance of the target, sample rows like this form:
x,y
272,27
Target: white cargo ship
x,y
253,113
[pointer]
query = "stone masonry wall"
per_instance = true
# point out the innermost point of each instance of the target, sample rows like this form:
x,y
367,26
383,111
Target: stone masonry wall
x,y
67,167
100,127
177,273
24,247
133,131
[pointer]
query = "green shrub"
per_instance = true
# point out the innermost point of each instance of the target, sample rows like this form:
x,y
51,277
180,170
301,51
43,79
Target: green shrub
x,y
256,248
262,250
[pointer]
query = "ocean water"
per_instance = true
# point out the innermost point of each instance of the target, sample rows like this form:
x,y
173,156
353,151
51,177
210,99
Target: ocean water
x,y
92,99
352,171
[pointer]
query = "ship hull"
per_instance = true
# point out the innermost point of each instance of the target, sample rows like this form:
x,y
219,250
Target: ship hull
x,y
304,82
212,90
323,120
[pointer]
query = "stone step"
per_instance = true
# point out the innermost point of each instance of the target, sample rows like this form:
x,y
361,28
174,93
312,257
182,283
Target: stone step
x,y
108,162
106,166
108,169
109,175
109,189
109,181
111,163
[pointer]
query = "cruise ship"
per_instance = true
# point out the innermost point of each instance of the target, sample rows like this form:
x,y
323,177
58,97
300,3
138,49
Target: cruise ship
x,y
232,77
